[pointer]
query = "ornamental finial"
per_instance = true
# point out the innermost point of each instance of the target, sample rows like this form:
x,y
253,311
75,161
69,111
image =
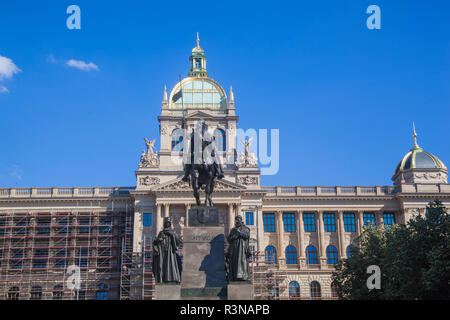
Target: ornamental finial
x,y
415,136
198,41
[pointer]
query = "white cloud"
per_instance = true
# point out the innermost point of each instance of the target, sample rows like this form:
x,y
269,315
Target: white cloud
x,y
7,68
51,59
81,65
3,89
15,171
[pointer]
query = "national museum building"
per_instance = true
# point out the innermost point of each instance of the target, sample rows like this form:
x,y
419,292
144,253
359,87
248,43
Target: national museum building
x,y
298,233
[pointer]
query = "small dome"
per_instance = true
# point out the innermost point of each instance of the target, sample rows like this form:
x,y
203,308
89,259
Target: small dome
x,y
418,158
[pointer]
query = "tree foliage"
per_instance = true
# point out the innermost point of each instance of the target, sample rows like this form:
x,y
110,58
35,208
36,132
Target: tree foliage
x,y
414,259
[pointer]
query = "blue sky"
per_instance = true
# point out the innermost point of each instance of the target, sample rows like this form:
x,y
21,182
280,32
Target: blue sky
x,y
344,97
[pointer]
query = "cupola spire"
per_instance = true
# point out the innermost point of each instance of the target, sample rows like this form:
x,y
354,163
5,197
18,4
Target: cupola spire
x,y
198,61
416,146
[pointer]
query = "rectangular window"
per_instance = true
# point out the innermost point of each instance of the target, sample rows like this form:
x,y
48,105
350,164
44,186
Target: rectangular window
x,y
369,219
147,219
269,222
249,219
349,222
329,222
309,221
388,219
289,222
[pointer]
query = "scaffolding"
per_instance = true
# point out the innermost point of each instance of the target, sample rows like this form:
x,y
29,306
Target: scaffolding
x,y
38,249
269,282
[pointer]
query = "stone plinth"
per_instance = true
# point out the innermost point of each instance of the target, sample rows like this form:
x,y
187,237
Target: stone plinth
x,y
167,291
240,290
202,216
203,262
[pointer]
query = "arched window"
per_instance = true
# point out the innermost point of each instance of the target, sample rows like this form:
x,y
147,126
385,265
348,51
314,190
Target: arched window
x,y
294,289
314,288
291,255
348,251
332,256
177,140
311,255
36,293
13,293
271,255
333,290
102,294
219,138
274,291
58,292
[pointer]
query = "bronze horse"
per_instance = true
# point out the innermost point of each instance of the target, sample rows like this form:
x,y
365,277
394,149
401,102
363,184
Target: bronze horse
x,y
203,173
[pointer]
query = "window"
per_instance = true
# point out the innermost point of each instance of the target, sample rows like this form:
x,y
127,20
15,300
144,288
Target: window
x,y
388,219
219,138
332,256
36,293
349,222
269,222
58,292
291,255
102,295
329,222
271,255
177,140
348,251
309,222
198,63
294,289
311,255
289,222
147,219
315,289
274,291
13,293
249,219
333,290
40,264
369,219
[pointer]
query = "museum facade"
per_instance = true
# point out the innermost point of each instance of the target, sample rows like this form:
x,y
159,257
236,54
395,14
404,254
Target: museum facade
x,y
298,233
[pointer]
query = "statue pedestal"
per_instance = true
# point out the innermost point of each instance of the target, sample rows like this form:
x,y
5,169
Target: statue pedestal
x,y
240,290
167,291
203,274
202,216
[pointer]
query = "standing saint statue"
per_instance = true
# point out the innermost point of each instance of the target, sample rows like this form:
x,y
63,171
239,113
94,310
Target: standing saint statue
x,y
238,252
166,266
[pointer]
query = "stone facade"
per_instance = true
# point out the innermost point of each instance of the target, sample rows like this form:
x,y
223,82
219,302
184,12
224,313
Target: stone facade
x,y
160,192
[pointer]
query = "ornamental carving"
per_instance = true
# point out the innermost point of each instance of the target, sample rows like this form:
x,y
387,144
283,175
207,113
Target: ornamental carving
x,y
247,159
149,159
148,181
248,180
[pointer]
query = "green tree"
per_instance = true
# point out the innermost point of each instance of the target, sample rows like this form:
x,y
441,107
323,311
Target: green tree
x,y
414,260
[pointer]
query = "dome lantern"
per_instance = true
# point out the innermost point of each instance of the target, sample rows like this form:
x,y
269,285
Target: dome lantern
x,y
198,61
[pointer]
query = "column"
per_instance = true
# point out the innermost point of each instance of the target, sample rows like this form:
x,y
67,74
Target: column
x,y
300,228
260,226
186,218
280,233
320,235
238,209
341,234
166,210
158,224
360,220
231,216
379,218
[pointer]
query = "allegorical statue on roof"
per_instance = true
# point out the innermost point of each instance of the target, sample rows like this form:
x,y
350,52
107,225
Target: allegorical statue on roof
x,y
238,254
149,159
202,162
247,158
166,267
